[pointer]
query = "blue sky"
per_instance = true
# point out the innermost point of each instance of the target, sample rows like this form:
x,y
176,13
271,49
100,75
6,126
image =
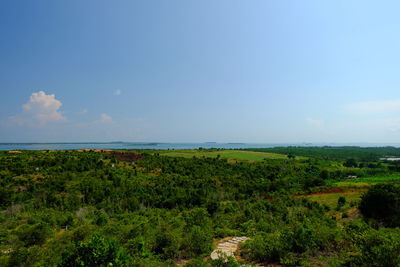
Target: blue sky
x,y
194,71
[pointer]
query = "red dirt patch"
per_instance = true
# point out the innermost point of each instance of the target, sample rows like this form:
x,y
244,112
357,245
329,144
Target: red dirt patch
x,y
14,152
329,190
126,156
353,213
333,189
93,150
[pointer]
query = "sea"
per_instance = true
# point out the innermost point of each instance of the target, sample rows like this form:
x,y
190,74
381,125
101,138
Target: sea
x,y
171,146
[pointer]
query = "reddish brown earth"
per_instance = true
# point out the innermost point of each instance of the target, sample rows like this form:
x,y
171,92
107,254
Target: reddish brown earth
x,y
126,156
14,152
329,190
333,189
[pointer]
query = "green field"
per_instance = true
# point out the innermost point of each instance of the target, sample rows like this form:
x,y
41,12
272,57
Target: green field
x,y
365,181
228,154
352,189
331,198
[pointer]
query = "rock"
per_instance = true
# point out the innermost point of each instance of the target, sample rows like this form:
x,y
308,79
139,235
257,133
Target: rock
x,y
228,247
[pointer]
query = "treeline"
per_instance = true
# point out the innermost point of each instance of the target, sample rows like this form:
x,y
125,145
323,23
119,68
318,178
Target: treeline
x,y
335,153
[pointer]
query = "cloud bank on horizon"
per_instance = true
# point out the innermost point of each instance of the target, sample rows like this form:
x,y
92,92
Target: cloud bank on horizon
x,y
43,112
371,107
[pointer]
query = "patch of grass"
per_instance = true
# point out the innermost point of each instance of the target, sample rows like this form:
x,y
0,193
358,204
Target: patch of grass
x,y
352,195
365,181
331,199
353,189
228,154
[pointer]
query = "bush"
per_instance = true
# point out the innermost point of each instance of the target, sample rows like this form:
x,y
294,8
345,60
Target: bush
x,y
34,235
312,182
224,261
341,202
96,252
324,174
197,242
166,243
266,247
198,262
350,163
287,244
382,203
139,247
378,249
24,257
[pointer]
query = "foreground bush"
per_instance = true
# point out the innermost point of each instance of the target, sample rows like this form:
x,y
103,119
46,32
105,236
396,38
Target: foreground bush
x,y
380,248
96,252
286,245
382,203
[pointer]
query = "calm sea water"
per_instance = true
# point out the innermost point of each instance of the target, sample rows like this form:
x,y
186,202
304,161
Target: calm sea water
x,y
124,145
129,145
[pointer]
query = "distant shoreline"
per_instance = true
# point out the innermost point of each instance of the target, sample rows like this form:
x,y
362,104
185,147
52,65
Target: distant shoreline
x,y
174,146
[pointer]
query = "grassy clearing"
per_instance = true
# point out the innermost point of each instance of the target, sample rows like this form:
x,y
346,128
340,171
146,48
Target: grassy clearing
x,y
352,191
228,154
331,199
352,188
365,181
352,196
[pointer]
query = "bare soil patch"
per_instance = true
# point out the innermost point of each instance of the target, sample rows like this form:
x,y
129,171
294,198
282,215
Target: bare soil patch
x,y
126,156
329,190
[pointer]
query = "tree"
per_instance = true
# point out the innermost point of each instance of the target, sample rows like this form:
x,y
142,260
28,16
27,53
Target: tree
x,y
350,163
34,235
324,174
96,252
382,203
341,202
377,249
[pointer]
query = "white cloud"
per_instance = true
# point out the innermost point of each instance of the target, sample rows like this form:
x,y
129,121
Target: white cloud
x,y
375,107
391,124
315,122
16,120
40,109
117,92
83,111
105,118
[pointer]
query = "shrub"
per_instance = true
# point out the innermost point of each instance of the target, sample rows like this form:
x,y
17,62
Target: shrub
x,y
166,243
266,247
324,174
198,262
350,163
382,203
341,202
197,242
378,249
312,182
34,235
96,252
224,261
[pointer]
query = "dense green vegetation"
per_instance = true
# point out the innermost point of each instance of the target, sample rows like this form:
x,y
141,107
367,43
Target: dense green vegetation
x,y
227,154
382,203
335,153
71,208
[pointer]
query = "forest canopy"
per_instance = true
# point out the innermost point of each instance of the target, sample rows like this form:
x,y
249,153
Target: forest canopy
x,y
143,208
